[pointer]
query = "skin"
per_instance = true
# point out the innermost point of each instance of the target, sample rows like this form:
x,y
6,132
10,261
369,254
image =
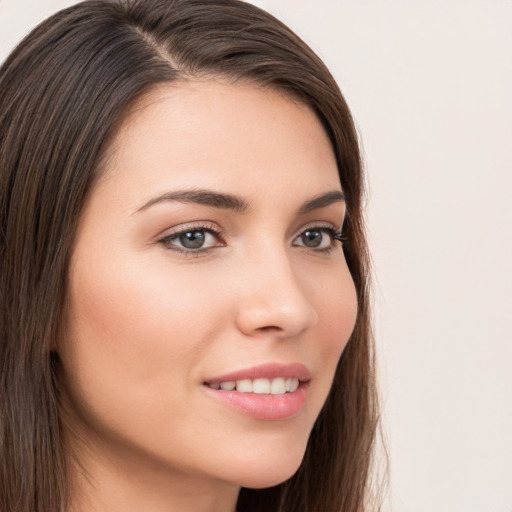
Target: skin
x,y
147,323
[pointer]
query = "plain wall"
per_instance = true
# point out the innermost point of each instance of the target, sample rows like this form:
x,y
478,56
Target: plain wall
x,y
429,83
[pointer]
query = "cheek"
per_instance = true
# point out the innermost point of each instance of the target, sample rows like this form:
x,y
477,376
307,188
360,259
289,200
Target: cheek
x,y
132,304
135,340
337,309
340,315
132,332
336,300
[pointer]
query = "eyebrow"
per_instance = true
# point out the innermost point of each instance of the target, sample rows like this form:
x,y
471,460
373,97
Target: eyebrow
x,y
321,201
235,203
202,197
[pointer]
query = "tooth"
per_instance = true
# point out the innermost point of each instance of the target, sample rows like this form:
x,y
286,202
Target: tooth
x,y
278,387
291,385
294,384
244,386
261,386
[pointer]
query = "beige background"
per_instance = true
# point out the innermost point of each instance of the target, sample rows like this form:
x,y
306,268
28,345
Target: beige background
x,y
429,83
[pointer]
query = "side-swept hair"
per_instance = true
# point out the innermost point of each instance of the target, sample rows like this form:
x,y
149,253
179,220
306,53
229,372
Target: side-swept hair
x,y
63,92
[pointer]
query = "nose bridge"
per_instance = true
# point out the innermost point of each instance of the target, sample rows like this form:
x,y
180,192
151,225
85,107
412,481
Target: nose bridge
x,y
271,296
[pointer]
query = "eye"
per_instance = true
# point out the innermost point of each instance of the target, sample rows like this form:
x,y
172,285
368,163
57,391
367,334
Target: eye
x,y
193,239
319,238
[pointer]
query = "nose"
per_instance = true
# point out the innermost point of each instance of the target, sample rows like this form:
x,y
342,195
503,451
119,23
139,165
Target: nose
x,y
272,300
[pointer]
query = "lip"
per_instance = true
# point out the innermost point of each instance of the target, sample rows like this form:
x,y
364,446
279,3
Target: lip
x,y
265,407
266,371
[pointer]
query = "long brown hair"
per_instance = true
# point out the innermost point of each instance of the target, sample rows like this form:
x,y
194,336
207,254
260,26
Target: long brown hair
x,y
63,91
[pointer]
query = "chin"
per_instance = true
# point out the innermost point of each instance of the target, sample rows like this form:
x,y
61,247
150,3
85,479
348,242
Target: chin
x,y
265,480
269,472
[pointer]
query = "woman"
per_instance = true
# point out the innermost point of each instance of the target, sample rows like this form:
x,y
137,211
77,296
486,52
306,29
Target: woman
x,y
181,328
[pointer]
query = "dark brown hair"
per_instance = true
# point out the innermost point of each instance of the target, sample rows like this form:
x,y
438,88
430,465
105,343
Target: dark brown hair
x,y
63,91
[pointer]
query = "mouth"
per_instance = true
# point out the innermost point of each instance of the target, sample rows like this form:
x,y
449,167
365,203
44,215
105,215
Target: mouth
x,y
267,392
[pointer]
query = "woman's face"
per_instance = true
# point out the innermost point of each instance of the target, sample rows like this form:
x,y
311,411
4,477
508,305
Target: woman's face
x,y
205,258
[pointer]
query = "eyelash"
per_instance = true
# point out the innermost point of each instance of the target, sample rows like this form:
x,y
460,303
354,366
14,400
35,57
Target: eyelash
x,y
334,234
206,228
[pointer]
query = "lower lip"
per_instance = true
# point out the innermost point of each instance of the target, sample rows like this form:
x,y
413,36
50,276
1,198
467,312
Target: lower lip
x,y
265,406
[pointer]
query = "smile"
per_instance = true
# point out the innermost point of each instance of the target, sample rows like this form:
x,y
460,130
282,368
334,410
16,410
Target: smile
x,y
266,392
277,386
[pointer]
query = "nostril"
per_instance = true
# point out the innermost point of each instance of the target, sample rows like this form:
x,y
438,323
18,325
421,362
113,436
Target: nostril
x,y
270,328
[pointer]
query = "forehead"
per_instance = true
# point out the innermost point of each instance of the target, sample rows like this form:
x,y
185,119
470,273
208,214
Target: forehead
x,y
216,134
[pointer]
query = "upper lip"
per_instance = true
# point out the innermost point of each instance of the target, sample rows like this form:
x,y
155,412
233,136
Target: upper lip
x,y
266,371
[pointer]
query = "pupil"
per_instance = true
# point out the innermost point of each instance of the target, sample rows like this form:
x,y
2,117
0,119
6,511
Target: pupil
x,y
192,239
312,238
